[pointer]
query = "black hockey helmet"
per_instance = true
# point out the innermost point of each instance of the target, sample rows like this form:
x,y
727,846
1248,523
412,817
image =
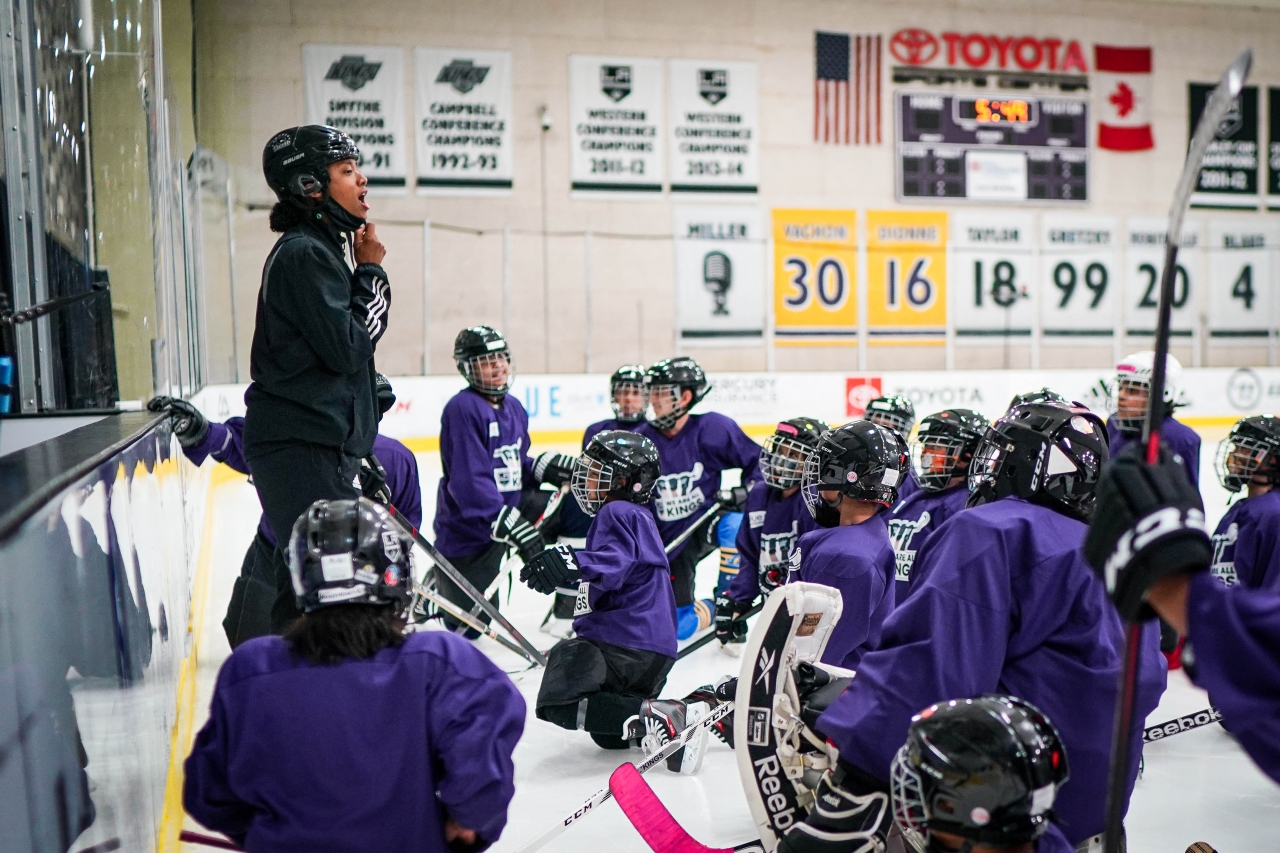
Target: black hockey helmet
x,y
1049,453
783,455
894,412
616,463
674,376
628,378
986,769
1250,453
1040,395
480,350
862,460
349,552
943,446
296,161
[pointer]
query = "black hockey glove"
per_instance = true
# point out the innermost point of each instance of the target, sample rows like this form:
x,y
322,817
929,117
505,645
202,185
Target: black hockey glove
x,y
1149,523
372,299
729,628
386,396
733,500
555,567
512,528
553,468
841,821
373,480
188,424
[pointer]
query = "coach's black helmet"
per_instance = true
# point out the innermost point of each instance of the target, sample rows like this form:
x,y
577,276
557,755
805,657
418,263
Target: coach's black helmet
x,y
943,446
783,455
295,163
616,463
349,552
894,412
1040,395
1250,453
484,360
666,381
627,393
986,769
864,461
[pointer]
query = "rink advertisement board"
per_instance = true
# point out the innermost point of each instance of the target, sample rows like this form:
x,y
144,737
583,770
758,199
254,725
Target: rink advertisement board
x,y
463,120
713,115
360,91
1241,278
815,264
1229,176
906,275
1143,267
719,276
615,124
1078,277
992,274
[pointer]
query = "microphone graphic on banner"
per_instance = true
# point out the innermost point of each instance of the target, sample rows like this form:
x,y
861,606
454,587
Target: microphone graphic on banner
x,y
717,277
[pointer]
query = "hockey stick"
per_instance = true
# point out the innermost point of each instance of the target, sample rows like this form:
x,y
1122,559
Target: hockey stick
x,y
649,763
688,531
470,621
190,837
656,826
711,635
1185,723
1215,108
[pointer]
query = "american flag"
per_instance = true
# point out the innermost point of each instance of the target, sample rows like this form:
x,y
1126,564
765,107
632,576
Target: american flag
x,y
847,111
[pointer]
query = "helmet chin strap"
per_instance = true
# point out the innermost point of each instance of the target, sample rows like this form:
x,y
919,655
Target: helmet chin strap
x,y
342,219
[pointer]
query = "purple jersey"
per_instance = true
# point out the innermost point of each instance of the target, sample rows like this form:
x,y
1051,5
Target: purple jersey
x,y
603,426
912,521
1002,601
1245,546
225,443
625,595
1182,440
856,559
771,526
691,466
362,755
1233,652
908,488
484,450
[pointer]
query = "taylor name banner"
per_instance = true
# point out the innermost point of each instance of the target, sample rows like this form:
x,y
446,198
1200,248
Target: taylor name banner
x,y
463,119
615,123
360,91
719,255
714,114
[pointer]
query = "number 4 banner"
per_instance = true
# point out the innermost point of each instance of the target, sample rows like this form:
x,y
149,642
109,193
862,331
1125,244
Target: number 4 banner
x,y
1240,278
815,296
906,274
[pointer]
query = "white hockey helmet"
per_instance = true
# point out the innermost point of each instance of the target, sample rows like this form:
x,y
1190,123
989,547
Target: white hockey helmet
x,y
1134,373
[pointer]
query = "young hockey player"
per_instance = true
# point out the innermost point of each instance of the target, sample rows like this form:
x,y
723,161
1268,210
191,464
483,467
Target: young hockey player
x,y
1246,544
851,476
605,679
774,520
897,414
1232,633
253,596
695,450
346,734
941,451
1133,384
1003,600
1040,395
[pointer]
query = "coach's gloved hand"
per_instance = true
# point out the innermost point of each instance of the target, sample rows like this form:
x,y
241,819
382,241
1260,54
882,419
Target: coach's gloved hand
x,y
188,424
512,528
555,567
841,821
553,468
1149,523
729,628
386,396
373,480
734,500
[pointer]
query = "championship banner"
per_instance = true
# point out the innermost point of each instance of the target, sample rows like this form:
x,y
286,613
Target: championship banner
x,y
360,91
906,274
1078,276
615,124
1241,280
719,253
1229,176
1273,149
815,289
714,110
463,113
992,256
1143,266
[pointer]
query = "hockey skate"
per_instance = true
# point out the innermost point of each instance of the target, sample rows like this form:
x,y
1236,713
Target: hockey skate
x,y
714,696
663,720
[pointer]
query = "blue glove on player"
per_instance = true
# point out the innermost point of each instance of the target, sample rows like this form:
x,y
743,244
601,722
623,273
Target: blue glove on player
x,y
553,568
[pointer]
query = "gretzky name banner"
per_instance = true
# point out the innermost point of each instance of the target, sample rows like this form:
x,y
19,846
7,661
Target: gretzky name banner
x,y
713,111
615,124
360,91
719,274
463,119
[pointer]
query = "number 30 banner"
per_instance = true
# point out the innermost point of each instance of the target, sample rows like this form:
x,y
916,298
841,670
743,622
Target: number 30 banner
x,y
906,274
815,294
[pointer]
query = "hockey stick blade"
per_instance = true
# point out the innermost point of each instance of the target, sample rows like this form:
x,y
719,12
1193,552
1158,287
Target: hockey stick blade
x,y
189,837
656,825
589,805
1185,723
711,633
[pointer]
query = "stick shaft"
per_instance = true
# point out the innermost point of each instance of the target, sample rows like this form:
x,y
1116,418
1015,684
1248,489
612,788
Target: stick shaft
x,y
688,531
470,621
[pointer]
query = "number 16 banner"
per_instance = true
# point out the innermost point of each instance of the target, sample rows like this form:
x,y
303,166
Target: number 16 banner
x,y
906,274
815,294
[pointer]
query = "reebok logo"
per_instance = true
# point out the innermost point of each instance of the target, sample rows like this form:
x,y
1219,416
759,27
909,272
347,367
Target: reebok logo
x,y
1182,724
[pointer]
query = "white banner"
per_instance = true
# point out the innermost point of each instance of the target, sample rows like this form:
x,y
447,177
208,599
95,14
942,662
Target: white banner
x,y
1079,276
615,124
993,273
714,109
720,263
1241,286
463,114
1143,267
360,91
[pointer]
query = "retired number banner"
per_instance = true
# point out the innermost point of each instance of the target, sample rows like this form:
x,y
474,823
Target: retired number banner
x,y
615,124
906,275
815,263
1079,275
360,91
714,112
463,119
719,274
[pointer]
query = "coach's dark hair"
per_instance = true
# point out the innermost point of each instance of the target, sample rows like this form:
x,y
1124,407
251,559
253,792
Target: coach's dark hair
x,y
335,633
285,216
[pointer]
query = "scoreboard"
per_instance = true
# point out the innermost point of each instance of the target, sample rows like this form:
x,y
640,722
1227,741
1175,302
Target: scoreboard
x,y
992,148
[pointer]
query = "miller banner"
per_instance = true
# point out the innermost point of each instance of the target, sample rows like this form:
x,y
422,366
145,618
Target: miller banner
x,y
615,124
360,91
719,253
714,116
1229,176
463,119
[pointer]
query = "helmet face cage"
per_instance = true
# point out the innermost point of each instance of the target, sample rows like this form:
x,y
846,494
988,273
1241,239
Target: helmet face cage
x,y
1239,459
984,467
591,483
782,461
629,399
1132,417
482,372
675,410
811,481
899,423
938,459
907,793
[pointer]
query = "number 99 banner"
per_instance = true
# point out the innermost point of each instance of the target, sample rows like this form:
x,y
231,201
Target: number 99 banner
x,y
1078,276
815,294
906,274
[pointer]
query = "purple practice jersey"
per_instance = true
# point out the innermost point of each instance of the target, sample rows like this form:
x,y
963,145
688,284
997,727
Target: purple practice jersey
x,y
605,425
856,559
771,526
1246,549
911,523
225,443
368,754
484,450
691,467
625,595
1233,652
1182,440
1002,601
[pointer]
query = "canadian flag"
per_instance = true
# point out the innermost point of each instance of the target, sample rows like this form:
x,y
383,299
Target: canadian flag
x,y
1122,81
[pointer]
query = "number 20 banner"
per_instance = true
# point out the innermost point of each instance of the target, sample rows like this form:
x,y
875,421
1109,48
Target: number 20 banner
x,y
906,274
815,294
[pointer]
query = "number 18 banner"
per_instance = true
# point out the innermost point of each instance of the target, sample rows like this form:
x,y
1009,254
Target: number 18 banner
x,y
815,294
906,274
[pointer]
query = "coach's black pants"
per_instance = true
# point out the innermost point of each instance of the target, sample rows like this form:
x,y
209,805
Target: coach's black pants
x,y
254,594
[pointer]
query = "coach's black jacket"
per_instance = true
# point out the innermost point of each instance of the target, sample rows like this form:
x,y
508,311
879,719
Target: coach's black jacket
x,y
312,359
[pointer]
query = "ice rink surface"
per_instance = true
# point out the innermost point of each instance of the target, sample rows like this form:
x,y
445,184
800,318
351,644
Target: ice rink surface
x,y
1196,786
